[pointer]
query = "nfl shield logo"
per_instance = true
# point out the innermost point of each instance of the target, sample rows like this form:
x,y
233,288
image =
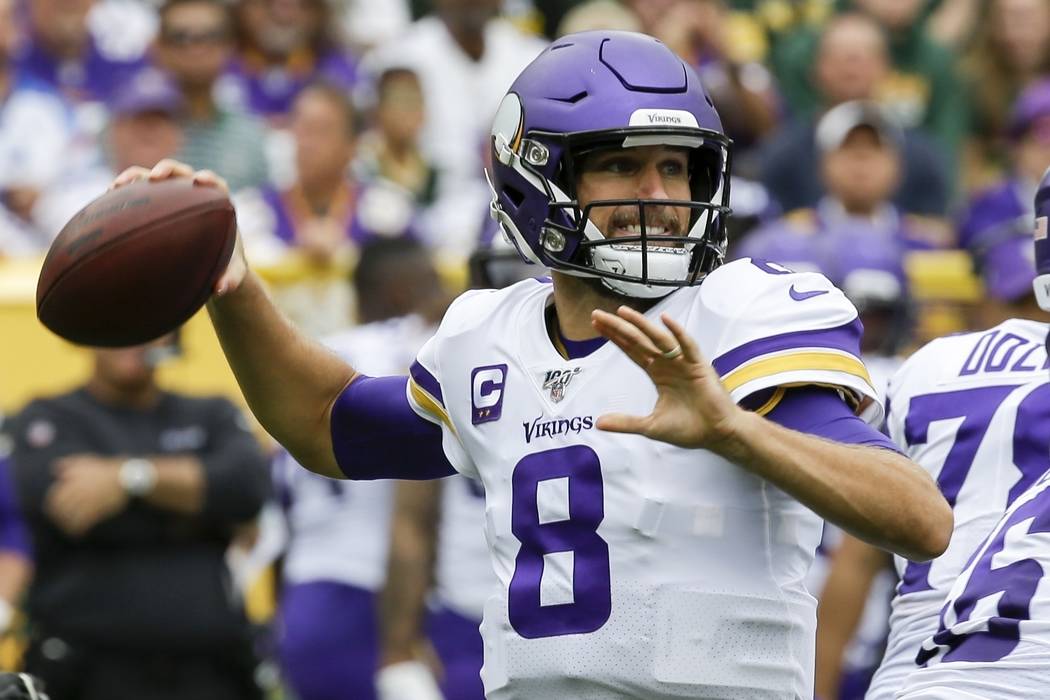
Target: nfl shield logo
x,y
556,381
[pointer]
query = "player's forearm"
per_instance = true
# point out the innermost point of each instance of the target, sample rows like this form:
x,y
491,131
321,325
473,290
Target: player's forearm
x,y
876,494
413,541
853,568
288,380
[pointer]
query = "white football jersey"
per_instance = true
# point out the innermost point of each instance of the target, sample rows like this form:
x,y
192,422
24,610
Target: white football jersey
x,y
974,411
339,530
463,576
993,640
628,567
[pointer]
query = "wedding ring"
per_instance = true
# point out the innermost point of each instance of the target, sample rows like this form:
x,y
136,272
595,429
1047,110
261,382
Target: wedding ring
x,y
672,353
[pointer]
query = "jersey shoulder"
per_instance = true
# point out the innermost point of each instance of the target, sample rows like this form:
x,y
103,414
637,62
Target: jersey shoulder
x,y
774,327
1012,352
756,298
478,308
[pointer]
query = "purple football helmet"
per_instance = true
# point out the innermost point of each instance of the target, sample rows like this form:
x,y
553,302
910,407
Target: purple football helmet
x,y
1041,284
597,90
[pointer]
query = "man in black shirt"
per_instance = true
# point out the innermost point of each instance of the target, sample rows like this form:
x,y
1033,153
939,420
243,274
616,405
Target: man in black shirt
x,y
133,495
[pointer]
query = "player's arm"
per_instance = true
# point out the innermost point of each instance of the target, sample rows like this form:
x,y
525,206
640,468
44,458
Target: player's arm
x,y
293,384
854,567
413,546
873,492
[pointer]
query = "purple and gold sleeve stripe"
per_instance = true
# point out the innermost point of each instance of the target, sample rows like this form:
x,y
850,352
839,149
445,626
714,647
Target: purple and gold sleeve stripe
x,y
827,350
425,392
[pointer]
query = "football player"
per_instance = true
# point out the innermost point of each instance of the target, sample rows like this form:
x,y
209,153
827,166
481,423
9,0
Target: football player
x,y
989,640
648,531
335,555
974,410
437,539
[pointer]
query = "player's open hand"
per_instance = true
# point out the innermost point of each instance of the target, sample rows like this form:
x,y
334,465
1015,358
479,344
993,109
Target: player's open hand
x,y
170,169
692,408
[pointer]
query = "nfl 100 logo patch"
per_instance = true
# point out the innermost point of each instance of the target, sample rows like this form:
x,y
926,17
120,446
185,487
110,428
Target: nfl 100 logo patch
x,y
556,381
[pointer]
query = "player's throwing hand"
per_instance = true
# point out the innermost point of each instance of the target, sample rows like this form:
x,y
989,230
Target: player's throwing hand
x,y
168,169
692,408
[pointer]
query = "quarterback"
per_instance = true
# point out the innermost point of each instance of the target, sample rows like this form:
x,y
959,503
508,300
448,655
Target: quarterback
x,y
650,513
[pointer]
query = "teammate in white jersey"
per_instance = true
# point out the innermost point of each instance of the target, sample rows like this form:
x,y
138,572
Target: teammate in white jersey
x,y
649,533
991,638
974,411
438,550
335,554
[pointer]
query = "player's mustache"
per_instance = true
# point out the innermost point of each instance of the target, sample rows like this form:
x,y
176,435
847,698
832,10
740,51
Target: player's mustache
x,y
654,220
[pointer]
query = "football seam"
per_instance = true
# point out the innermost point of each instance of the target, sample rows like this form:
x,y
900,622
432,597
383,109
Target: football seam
x,y
185,213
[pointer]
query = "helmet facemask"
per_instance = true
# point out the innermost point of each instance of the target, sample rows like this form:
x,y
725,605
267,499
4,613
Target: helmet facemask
x,y
654,261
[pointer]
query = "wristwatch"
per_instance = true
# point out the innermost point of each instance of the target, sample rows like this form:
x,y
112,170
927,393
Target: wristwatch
x,y
138,476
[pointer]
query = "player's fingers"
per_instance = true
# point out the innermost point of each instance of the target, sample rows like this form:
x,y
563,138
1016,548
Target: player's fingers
x,y
129,175
661,340
690,350
211,179
625,337
623,423
169,168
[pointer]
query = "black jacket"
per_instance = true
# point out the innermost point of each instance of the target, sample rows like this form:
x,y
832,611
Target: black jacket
x,y
146,579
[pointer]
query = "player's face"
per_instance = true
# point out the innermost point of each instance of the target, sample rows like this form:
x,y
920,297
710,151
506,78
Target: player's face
x,y
642,172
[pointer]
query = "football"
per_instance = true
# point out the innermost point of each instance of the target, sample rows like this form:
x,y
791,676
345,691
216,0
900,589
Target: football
x,y
136,263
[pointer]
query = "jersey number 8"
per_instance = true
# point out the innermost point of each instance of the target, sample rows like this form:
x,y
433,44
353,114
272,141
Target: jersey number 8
x,y
591,602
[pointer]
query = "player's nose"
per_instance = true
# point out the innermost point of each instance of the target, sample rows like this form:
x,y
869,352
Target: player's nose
x,y
651,183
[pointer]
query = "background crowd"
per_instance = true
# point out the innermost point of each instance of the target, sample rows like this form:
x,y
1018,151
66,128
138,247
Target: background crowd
x,y
893,145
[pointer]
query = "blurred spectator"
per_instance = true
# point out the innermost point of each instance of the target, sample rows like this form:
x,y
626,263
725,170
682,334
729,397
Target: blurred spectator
x,y
741,87
860,164
466,57
922,90
283,46
15,555
84,49
598,14
143,130
851,63
1011,49
194,44
132,495
324,216
997,222
390,152
867,265
335,557
369,23
35,131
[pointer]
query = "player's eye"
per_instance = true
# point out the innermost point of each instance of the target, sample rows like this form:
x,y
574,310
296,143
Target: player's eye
x,y
674,168
621,165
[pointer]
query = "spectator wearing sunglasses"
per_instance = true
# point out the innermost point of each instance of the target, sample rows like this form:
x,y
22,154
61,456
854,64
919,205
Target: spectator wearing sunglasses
x,y
193,46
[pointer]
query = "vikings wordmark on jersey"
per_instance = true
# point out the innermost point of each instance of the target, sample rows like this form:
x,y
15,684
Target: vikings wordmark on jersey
x,y
626,566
